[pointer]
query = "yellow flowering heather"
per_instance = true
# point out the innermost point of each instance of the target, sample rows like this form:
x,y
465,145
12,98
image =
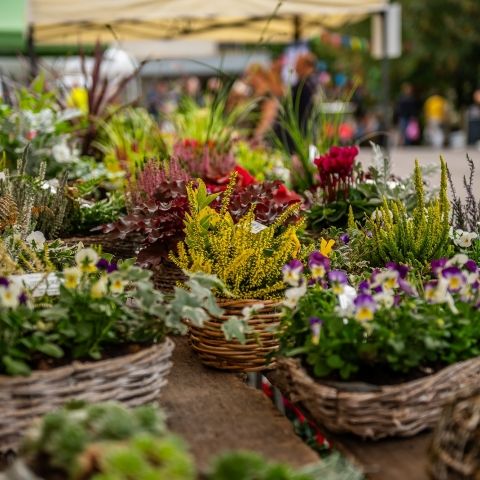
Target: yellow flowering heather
x,y
249,264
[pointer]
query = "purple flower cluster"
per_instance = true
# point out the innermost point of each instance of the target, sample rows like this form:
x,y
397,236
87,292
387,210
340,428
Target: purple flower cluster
x,y
105,265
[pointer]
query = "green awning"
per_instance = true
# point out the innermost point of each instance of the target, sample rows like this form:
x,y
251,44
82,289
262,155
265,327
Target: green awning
x,y
13,25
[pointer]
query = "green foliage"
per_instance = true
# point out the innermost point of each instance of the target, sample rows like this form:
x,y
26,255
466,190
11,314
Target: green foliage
x,y
317,131
106,441
36,118
251,466
259,161
127,139
412,239
92,214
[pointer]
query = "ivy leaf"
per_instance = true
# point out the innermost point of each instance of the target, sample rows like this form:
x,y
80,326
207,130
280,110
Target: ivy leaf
x,y
235,328
51,350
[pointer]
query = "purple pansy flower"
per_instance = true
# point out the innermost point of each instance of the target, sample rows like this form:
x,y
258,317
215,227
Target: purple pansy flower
x,y
292,272
315,327
456,279
345,238
365,307
4,282
338,280
398,267
319,265
438,264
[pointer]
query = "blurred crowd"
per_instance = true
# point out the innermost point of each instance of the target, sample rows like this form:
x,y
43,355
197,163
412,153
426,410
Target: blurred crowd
x,y
338,101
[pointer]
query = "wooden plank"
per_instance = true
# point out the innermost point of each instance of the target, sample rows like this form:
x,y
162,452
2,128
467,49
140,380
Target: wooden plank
x,y
390,459
216,412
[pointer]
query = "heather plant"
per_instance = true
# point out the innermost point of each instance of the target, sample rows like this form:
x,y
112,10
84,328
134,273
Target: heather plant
x,y
246,259
414,239
33,255
466,214
29,203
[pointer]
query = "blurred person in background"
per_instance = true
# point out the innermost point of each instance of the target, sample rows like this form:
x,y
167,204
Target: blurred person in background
x,y
406,115
435,111
473,120
192,88
304,90
266,89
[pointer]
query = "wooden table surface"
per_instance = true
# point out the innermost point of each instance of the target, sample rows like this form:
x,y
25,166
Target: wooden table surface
x,y
216,412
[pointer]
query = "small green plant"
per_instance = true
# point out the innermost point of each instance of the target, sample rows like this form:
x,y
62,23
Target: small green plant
x,y
106,442
414,239
251,466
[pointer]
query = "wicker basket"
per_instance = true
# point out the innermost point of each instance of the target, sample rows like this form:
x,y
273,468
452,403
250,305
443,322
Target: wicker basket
x,y
166,276
215,351
133,379
375,411
455,448
121,249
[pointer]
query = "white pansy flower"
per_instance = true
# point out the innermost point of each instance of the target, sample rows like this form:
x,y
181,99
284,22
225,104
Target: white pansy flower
x,y
293,295
99,288
36,238
87,259
61,152
9,295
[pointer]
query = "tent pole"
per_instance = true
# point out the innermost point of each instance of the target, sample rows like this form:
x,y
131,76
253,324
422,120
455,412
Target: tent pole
x,y
32,57
385,82
297,29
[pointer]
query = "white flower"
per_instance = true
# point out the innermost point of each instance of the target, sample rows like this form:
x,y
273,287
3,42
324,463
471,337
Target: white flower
x,y
9,295
293,295
36,239
385,299
86,259
3,176
464,239
99,288
72,277
61,152
117,284
387,279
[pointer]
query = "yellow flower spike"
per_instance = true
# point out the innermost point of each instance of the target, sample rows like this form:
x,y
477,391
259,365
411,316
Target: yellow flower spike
x,y
326,246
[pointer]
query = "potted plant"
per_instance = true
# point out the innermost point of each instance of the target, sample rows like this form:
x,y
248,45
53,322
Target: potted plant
x,y
104,336
247,257
381,359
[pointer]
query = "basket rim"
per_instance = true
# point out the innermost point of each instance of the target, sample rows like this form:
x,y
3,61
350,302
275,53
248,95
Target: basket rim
x,y
369,389
76,366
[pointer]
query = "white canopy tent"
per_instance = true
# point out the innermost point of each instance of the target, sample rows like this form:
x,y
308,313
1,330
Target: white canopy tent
x,y
85,21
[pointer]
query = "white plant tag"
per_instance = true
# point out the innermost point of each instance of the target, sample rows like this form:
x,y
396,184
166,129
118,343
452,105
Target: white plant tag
x,y
257,227
40,283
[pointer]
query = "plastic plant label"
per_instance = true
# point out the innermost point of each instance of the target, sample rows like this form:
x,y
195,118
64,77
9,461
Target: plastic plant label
x,y
38,283
257,227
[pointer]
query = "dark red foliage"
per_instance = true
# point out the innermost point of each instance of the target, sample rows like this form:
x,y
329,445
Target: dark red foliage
x,y
270,200
204,160
335,170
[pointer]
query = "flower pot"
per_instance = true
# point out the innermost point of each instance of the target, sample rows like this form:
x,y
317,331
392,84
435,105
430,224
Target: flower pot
x,y
455,448
215,351
133,379
375,411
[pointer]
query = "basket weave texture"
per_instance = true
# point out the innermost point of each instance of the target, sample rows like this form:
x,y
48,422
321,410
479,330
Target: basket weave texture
x,y
215,351
133,379
166,276
375,411
121,249
455,448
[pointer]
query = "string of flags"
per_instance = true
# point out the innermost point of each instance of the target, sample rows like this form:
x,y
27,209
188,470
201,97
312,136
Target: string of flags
x,y
338,40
